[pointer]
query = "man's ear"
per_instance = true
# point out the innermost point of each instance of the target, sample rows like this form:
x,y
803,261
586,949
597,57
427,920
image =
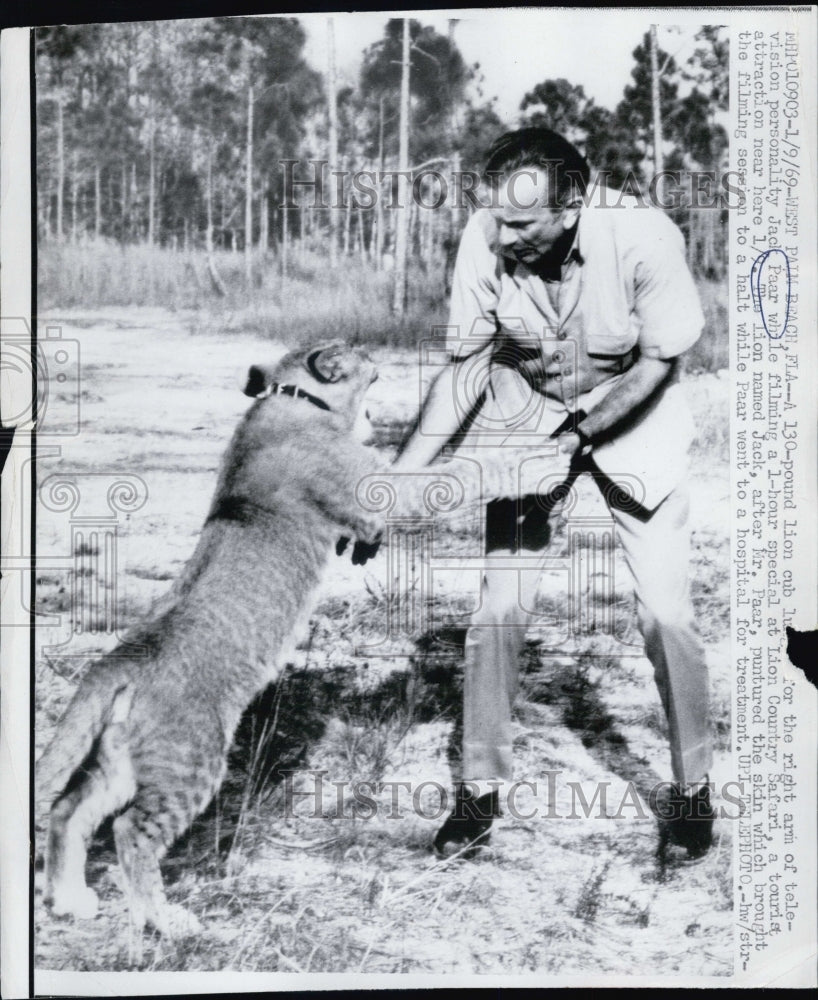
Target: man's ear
x,y
258,381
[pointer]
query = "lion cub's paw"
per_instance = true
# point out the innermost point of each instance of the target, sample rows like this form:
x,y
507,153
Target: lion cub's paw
x,y
369,530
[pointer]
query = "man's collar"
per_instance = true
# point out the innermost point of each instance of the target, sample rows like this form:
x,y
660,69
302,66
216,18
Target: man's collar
x,y
550,267
575,252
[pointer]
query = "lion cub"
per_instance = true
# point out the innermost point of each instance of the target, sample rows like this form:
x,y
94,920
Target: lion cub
x,y
149,735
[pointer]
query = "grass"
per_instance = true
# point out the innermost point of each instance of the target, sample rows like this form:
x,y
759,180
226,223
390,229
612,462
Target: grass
x,y
283,889
307,303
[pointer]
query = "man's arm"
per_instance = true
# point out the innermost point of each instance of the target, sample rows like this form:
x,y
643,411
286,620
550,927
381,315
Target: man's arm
x,y
472,315
635,387
444,409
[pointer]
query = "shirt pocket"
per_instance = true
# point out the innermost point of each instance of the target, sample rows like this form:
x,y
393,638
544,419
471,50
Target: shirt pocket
x,y
613,340
605,313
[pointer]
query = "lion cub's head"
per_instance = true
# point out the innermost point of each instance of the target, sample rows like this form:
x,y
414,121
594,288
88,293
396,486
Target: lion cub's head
x,y
330,376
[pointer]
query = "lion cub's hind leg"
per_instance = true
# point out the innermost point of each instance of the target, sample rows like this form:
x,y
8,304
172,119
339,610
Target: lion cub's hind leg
x,y
170,796
140,844
105,786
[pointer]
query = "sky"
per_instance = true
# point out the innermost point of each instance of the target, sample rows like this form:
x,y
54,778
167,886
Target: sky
x,y
520,47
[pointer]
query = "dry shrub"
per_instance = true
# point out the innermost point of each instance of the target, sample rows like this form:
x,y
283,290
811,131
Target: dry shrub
x,y
301,305
305,304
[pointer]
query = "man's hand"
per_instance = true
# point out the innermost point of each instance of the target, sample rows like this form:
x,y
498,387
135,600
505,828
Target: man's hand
x,y
568,440
569,444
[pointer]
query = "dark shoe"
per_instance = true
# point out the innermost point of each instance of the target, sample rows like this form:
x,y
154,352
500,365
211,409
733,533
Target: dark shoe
x,y
685,820
468,825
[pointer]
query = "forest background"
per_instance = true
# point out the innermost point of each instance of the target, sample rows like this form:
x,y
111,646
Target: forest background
x,y
169,156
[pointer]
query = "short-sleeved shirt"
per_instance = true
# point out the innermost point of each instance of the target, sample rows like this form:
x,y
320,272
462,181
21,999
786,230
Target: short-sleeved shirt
x,y
624,289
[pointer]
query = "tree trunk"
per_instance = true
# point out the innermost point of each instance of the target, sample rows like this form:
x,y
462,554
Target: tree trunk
x,y
248,195
285,238
429,251
209,200
215,278
332,153
454,191
223,225
74,197
347,218
361,234
158,222
402,221
111,200
48,209
658,159
134,219
151,178
60,163
97,201
264,222
379,202
152,140
124,200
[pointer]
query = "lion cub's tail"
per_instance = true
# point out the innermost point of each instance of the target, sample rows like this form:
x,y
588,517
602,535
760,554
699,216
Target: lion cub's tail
x,y
92,708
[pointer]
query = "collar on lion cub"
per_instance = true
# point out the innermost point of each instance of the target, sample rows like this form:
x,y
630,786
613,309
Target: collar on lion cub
x,y
277,389
332,376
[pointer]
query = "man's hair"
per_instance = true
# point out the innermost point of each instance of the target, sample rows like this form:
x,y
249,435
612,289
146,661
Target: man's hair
x,y
565,167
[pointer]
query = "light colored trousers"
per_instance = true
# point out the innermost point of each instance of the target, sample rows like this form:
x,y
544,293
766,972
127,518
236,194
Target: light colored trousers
x,y
656,549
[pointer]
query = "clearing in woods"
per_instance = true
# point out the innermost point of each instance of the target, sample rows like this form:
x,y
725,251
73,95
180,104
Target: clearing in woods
x,y
286,870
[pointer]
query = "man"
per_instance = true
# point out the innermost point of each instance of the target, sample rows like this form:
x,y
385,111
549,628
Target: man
x,y
569,319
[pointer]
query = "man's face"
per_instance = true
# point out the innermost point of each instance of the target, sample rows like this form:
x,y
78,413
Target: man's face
x,y
527,228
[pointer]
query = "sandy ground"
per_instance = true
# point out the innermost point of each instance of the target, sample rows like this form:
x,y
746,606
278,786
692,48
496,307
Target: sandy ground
x,y
304,894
